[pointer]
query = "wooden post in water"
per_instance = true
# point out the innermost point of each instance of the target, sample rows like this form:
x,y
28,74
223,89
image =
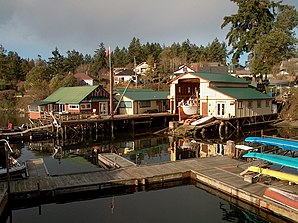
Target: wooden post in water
x,y
238,126
7,167
96,131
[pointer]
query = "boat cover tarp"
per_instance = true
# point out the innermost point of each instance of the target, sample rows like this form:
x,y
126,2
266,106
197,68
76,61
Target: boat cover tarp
x,y
284,144
273,158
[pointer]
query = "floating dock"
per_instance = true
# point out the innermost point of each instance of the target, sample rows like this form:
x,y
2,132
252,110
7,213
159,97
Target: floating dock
x,y
219,173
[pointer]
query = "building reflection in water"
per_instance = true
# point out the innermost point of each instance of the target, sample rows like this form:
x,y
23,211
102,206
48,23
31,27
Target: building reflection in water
x,y
143,150
189,148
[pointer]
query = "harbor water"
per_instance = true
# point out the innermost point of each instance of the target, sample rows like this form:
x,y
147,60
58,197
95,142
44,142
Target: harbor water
x,y
185,203
180,202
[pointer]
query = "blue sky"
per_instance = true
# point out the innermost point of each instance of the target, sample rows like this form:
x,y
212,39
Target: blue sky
x,y
36,27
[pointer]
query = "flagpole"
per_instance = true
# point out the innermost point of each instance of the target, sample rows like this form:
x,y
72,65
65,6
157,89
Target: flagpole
x,y
111,94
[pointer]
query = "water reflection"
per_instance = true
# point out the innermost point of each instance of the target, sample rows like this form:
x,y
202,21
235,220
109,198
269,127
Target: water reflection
x,y
174,203
143,150
113,207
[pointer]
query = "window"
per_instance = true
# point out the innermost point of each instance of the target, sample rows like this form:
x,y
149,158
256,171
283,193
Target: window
x,y
73,107
85,106
267,104
249,105
125,104
179,89
145,104
259,103
240,104
188,90
33,108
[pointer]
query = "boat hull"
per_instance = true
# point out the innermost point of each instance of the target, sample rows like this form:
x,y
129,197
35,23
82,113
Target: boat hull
x,y
274,173
273,158
284,144
187,111
16,171
282,197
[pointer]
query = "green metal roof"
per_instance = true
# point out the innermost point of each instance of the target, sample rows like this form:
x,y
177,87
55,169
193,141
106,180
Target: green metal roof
x,y
226,78
242,93
70,94
143,94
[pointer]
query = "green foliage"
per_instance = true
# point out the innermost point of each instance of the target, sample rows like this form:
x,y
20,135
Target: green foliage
x,y
37,82
135,51
56,63
216,52
100,60
119,57
8,99
264,29
73,60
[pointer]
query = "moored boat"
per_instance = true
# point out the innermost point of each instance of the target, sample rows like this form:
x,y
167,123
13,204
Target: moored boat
x,y
188,108
10,165
282,197
16,169
203,120
274,158
285,144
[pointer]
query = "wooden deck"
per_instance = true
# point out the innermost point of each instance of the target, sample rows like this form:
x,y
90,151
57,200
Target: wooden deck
x,y
221,173
36,168
112,160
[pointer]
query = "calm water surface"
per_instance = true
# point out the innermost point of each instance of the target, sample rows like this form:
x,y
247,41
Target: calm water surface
x,y
186,203
178,204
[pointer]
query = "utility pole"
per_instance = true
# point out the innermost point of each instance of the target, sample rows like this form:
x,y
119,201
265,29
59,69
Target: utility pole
x,y
135,65
111,95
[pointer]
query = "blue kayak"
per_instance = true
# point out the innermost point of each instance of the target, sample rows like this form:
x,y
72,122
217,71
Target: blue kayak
x,y
285,144
273,158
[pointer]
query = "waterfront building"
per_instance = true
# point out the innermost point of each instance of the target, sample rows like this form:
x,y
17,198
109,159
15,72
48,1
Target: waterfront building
x,y
140,101
219,95
72,100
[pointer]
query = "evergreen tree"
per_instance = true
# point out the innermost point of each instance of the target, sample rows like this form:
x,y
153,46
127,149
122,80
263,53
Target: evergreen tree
x,y
119,57
264,29
99,61
216,52
56,63
135,51
73,60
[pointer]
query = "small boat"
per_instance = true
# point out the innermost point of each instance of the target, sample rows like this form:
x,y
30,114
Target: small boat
x,y
245,147
273,158
16,168
285,144
203,120
188,108
285,198
274,173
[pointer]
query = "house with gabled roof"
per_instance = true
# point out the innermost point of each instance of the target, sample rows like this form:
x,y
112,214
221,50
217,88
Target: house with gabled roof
x,y
123,75
140,101
72,100
219,95
84,79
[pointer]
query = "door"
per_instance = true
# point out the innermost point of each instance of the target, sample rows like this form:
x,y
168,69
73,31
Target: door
x,y
103,108
220,109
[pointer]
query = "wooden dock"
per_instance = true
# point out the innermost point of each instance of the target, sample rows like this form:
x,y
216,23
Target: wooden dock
x,y
112,160
220,173
36,168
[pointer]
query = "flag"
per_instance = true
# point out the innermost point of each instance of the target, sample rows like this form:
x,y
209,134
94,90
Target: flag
x,y
108,52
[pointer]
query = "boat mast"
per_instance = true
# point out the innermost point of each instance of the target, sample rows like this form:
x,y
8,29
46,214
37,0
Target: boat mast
x,y
111,95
